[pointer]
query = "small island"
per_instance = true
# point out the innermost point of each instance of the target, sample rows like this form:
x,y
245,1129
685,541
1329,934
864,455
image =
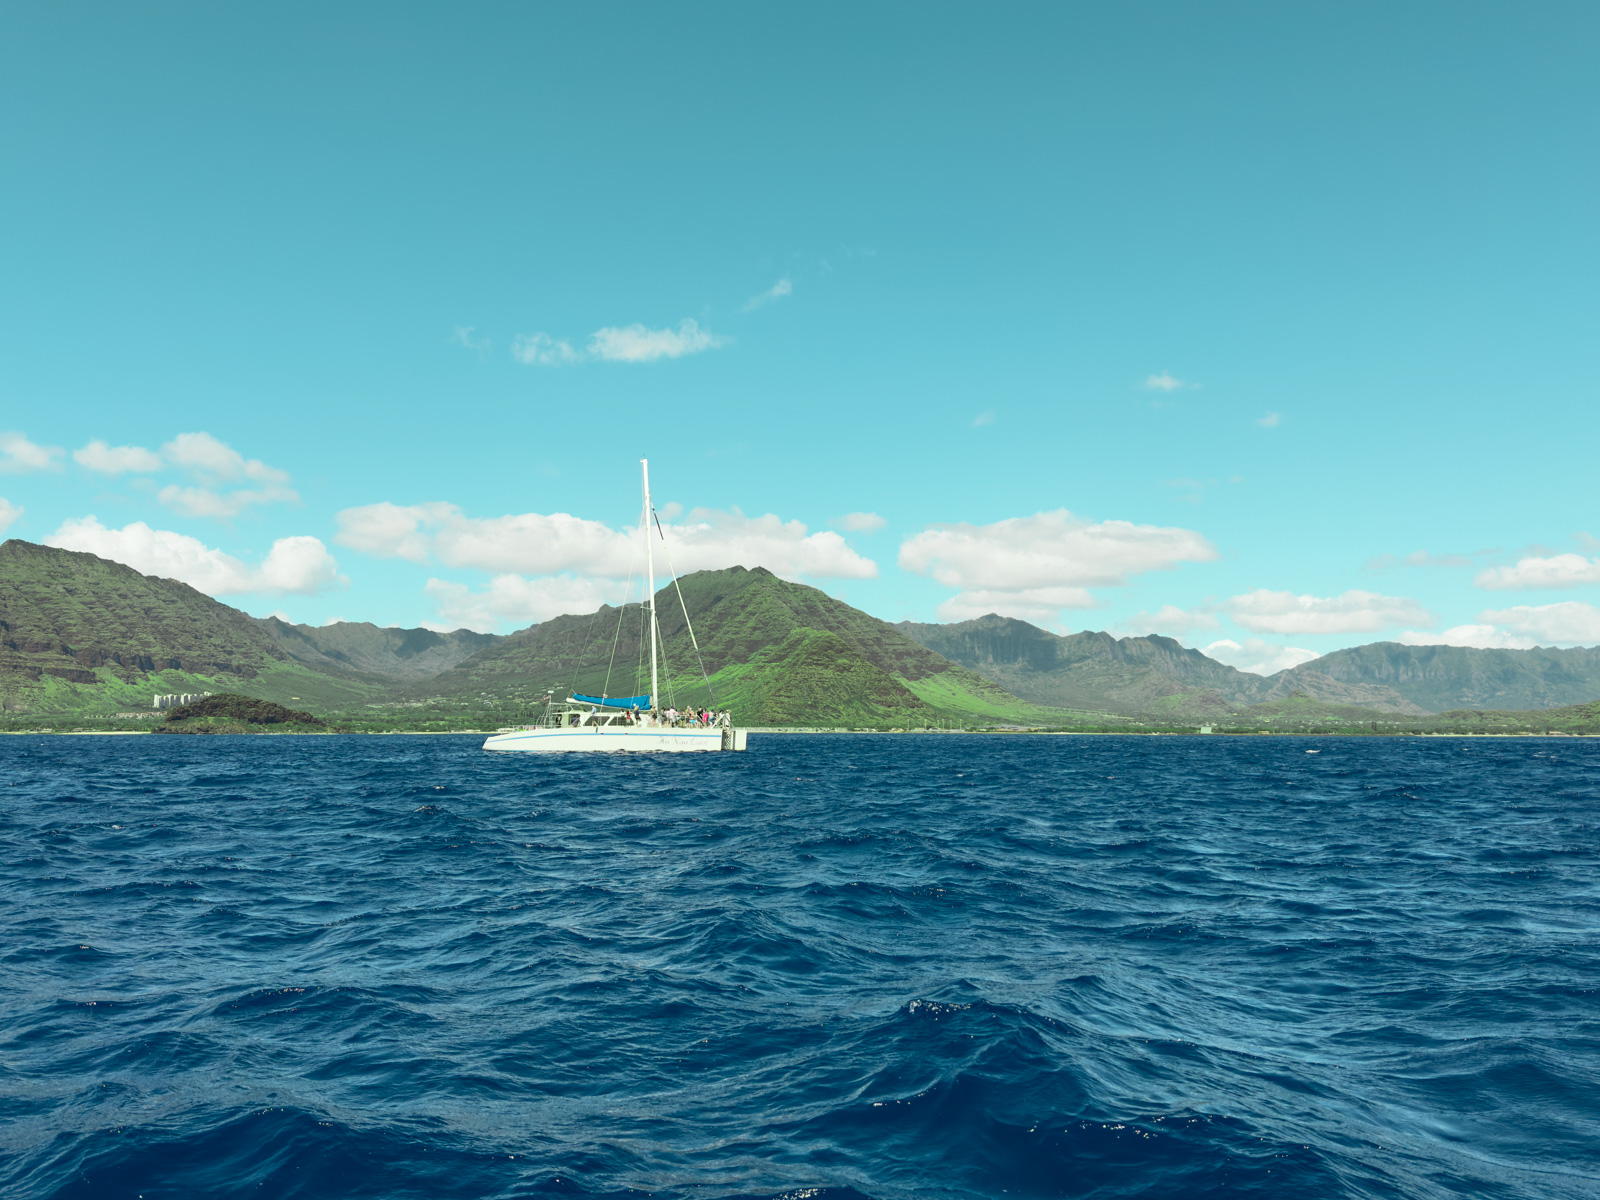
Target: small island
x,y
229,712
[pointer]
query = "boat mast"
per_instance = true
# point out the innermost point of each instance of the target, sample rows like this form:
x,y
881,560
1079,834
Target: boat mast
x,y
650,570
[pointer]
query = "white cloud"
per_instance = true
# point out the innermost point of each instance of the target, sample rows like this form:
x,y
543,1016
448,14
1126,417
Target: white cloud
x,y
627,343
1043,562
1270,421
1479,636
18,454
540,544
212,463
297,565
203,502
540,349
464,337
300,565
635,343
9,513
777,291
1557,571
1041,606
1258,657
1264,611
207,458
984,418
1164,383
388,530
1569,623
1169,620
116,460
861,522
518,601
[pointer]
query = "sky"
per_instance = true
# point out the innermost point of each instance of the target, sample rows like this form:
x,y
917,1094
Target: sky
x,y
1267,327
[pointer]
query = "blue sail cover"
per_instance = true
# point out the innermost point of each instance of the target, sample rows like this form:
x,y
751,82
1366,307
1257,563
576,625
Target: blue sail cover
x,y
614,701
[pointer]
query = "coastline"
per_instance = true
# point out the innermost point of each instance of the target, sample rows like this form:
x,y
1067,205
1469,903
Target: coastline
x,y
811,731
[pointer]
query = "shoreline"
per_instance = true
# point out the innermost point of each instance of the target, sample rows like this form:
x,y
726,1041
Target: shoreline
x,y
810,731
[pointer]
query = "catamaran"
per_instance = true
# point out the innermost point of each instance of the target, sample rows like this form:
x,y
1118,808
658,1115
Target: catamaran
x,y
624,723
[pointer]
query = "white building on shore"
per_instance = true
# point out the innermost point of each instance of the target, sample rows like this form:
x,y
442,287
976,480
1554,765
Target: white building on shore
x,y
174,700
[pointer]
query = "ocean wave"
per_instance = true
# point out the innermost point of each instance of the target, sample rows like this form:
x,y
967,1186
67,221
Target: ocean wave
x,y
865,968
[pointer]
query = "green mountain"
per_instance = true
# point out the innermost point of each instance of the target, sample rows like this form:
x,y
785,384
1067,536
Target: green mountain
x,y
1147,675
813,677
82,635
364,647
79,632
775,653
1155,675
1087,670
1437,678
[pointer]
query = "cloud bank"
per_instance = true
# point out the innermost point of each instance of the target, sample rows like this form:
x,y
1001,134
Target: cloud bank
x,y
1355,611
1170,621
625,343
102,459
18,455
1556,571
1257,656
1481,637
294,566
861,522
1033,567
546,562
213,466
518,601
1569,623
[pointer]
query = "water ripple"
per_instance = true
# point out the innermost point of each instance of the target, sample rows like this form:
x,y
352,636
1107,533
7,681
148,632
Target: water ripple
x,y
848,968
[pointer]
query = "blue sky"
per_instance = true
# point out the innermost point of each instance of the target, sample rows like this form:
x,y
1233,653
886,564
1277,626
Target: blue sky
x,y
1270,327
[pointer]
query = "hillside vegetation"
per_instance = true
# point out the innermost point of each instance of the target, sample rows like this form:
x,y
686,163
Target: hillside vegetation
x,y
360,646
746,622
87,640
228,713
1439,678
81,618
1156,675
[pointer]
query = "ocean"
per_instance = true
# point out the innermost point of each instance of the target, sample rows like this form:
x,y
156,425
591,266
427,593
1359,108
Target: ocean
x,y
831,967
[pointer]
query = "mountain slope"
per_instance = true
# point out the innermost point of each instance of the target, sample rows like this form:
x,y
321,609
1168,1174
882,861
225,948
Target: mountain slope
x,y
1436,678
742,618
362,646
814,677
1086,670
1157,675
79,631
1153,675
67,614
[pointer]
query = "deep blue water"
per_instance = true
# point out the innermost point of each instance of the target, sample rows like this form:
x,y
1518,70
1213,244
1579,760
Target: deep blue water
x,y
876,966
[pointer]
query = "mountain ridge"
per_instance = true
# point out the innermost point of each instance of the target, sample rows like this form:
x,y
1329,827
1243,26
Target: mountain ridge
x,y
82,633
389,651
1152,673
743,619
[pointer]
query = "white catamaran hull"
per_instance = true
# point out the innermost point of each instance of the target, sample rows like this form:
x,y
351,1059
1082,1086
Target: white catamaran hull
x,y
615,739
